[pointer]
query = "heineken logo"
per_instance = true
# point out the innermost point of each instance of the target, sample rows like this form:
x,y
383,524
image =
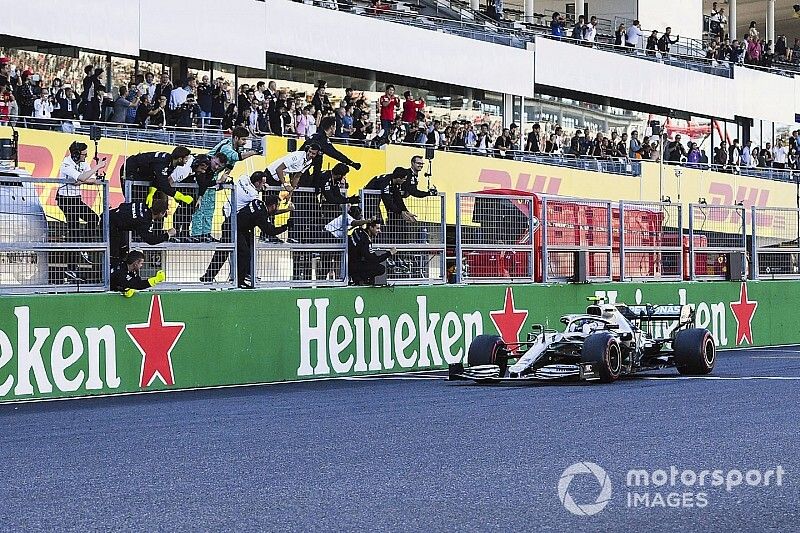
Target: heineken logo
x,y
155,340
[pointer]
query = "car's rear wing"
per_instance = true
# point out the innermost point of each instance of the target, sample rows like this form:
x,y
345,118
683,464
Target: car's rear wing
x,y
684,313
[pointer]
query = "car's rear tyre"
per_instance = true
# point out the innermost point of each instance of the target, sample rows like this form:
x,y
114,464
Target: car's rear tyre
x,y
488,350
695,351
603,350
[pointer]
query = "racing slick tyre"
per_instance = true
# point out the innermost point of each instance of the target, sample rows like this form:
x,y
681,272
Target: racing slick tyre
x,y
488,350
694,351
604,350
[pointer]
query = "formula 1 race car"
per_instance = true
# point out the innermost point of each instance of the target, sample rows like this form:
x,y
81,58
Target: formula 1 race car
x,y
601,345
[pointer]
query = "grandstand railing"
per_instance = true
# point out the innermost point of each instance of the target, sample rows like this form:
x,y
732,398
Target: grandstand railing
x,y
313,252
421,245
39,251
775,243
715,232
576,231
494,238
185,258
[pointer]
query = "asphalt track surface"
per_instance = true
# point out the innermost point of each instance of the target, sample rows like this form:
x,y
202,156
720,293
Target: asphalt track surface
x,y
408,454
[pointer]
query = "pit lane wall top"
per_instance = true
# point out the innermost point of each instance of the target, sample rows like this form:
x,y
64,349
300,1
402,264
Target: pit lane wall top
x,y
41,153
94,344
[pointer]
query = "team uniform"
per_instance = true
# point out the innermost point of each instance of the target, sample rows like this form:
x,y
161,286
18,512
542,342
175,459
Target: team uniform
x,y
123,279
245,192
135,217
203,218
251,216
70,201
364,264
295,163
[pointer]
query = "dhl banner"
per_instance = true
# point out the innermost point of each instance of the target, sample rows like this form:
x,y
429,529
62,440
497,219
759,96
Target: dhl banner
x,y
41,153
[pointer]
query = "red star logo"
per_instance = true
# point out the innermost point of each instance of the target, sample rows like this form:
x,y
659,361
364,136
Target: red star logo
x,y
509,321
743,312
155,341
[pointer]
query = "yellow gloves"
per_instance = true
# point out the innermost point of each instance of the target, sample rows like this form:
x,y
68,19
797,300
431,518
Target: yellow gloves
x,y
151,192
185,198
128,293
158,278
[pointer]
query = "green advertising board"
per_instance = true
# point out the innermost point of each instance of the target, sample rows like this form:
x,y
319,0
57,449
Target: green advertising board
x,y
55,346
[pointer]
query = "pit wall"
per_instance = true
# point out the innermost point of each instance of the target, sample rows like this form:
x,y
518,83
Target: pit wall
x,y
41,153
88,344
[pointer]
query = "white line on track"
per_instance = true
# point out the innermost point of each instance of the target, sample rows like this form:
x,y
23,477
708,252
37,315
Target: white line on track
x,y
724,378
775,356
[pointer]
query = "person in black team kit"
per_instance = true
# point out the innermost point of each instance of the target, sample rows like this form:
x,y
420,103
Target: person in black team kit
x,y
157,168
327,128
138,218
364,264
259,214
125,276
391,191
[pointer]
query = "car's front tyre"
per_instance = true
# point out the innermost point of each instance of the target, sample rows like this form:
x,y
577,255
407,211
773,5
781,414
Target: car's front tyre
x,y
604,351
695,351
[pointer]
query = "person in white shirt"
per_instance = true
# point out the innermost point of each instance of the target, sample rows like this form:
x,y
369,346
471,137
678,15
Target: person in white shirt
x,y
76,172
780,155
634,35
43,105
747,155
293,164
590,31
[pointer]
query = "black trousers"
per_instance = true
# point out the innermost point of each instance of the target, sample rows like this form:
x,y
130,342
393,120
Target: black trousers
x,y
244,255
361,272
220,256
117,243
76,211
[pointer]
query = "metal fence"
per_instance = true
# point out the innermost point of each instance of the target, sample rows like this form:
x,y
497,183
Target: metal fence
x,y
494,238
421,245
715,231
776,243
189,260
650,244
313,252
575,230
53,237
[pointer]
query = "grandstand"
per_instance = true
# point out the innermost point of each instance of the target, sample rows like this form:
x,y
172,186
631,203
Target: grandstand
x,y
534,106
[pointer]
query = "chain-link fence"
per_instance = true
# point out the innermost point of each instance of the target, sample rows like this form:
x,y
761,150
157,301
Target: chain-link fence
x,y
53,237
576,231
650,245
494,238
776,242
715,232
202,252
312,252
419,238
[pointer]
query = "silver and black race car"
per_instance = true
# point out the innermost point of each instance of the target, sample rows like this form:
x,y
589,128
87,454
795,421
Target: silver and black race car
x,y
601,345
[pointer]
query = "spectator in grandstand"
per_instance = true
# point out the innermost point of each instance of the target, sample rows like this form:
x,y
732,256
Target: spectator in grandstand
x,y
121,105
5,71
578,28
303,121
747,155
585,143
389,104
666,41
718,23
321,101
735,154
164,88
765,157
6,99
735,52
205,100
219,100
230,118
780,155
157,117
619,35
147,86
752,32
25,94
412,108
255,214
322,139
721,156
435,135
136,217
633,35
782,50
533,142
125,276
675,150
503,143
483,140
178,95
645,149
590,31
693,155
557,25
81,220
622,146
513,133
652,43
634,145
286,171
186,113
90,100
234,151
43,105
753,53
